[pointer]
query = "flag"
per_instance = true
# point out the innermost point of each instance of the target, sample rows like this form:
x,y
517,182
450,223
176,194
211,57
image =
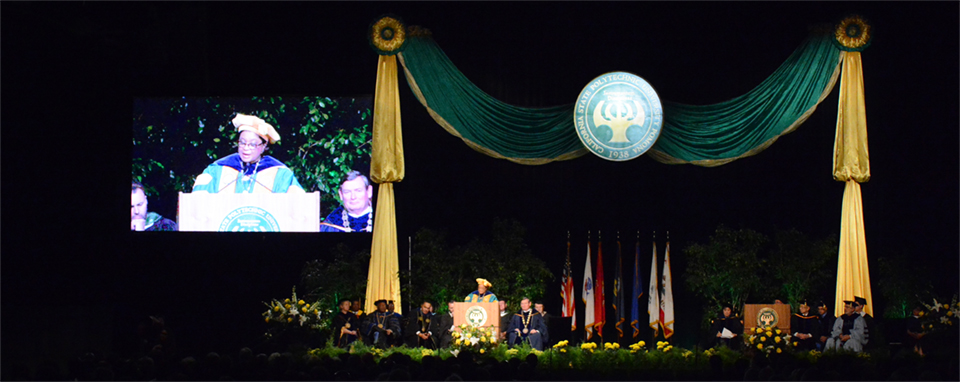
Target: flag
x,y
637,292
588,296
600,305
666,302
653,295
618,293
569,304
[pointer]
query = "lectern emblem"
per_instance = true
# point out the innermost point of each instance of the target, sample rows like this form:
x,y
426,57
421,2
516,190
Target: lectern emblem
x,y
767,317
618,116
249,219
476,316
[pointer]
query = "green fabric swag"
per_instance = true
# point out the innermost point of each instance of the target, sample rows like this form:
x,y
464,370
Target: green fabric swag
x,y
707,135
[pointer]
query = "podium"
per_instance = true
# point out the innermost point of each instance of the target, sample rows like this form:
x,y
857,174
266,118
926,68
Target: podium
x,y
479,314
230,212
766,315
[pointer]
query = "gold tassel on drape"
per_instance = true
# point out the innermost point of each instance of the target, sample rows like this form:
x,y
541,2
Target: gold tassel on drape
x,y
386,168
851,164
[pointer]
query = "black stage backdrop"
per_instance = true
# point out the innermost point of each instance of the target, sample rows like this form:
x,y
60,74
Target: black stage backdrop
x,y
73,278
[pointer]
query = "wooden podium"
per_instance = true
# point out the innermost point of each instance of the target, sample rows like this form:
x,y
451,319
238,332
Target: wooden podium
x,y
766,315
482,314
230,212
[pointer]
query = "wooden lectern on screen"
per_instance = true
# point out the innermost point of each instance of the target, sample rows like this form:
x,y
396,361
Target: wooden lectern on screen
x,y
229,212
482,314
766,315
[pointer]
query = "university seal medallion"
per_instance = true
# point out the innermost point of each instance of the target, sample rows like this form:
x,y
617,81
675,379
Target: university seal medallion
x,y
618,116
249,219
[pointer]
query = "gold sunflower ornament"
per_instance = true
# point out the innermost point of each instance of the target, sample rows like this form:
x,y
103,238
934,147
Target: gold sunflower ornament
x,y
387,35
852,34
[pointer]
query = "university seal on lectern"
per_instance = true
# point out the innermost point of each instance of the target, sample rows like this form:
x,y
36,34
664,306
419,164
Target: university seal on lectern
x,y
249,219
618,116
767,317
476,316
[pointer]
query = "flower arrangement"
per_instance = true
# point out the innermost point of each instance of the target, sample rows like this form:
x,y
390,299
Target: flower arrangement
x,y
479,339
637,346
561,346
589,346
293,311
939,315
664,346
611,346
769,340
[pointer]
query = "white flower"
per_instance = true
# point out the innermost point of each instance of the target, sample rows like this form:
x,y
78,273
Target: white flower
x,y
455,352
302,320
293,312
474,340
936,306
944,319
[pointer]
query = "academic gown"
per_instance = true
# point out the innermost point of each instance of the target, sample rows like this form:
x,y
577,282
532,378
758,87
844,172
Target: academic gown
x,y
422,323
374,334
339,321
530,320
847,324
826,326
733,324
805,324
475,296
230,174
442,330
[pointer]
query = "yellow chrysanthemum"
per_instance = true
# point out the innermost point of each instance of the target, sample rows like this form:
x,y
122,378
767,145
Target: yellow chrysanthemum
x,y
763,339
482,351
776,339
769,333
276,308
289,319
300,302
641,343
483,339
946,306
266,319
758,330
794,344
286,306
779,351
760,346
779,332
303,309
562,350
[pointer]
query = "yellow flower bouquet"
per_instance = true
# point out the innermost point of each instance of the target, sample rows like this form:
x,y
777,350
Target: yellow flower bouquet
x,y
769,340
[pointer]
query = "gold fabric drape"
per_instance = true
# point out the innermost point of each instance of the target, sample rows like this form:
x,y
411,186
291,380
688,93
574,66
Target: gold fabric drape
x,y
851,164
386,167
853,271
851,159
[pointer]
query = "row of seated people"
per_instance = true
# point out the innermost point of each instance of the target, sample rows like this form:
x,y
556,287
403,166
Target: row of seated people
x,y
820,332
423,328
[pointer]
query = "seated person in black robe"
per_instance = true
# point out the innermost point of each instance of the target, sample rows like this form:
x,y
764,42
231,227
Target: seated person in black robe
x,y
400,320
419,329
380,328
733,324
826,324
805,328
444,326
505,318
527,325
346,326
